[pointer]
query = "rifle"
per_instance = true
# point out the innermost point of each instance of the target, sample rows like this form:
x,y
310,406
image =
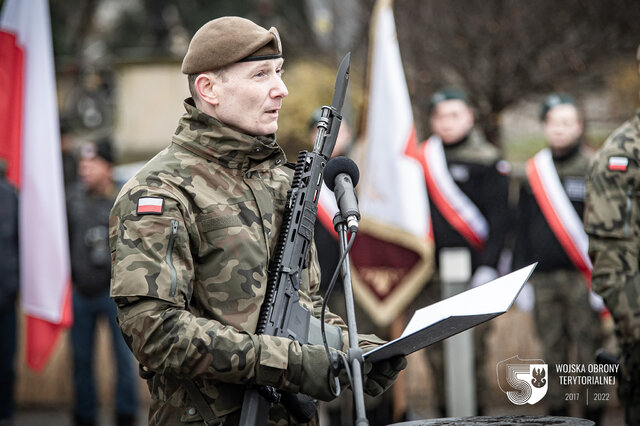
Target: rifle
x,y
281,313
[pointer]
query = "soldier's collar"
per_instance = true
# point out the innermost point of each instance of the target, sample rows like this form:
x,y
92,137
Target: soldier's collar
x,y
567,153
205,136
456,144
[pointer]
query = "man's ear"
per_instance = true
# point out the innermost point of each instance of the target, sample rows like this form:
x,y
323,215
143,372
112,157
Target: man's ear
x,y
205,86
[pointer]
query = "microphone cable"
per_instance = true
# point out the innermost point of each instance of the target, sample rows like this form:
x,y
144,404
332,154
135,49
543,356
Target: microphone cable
x,y
335,358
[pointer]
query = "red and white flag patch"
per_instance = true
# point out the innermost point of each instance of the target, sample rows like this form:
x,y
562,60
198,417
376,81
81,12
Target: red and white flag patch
x,y
618,163
150,205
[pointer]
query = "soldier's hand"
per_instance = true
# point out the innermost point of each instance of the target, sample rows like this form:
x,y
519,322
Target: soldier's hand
x,y
315,373
380,376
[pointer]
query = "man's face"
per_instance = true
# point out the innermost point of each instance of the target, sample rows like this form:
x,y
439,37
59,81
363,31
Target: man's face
x,y
562,126
249,96
94,172
452,120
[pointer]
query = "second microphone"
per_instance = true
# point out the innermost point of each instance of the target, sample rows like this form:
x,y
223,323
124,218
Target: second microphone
x,y
341,175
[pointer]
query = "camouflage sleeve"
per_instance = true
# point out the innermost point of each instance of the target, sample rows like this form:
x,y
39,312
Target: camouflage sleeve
x,y
612,220
152,284
611,209
616,278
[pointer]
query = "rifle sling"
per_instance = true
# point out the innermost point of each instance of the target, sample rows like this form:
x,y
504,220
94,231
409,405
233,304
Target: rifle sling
x,y
202,406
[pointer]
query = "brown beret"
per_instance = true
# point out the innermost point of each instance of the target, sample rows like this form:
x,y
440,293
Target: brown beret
x,y
227,40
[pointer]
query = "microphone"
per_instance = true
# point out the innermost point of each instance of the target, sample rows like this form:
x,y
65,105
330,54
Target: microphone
x,y
341,175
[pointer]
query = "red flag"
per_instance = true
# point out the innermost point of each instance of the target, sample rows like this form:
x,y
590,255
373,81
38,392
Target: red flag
x,y
11,75
31,144
393,253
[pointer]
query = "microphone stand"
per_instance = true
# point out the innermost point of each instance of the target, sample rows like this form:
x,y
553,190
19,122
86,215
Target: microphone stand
x,y
354,353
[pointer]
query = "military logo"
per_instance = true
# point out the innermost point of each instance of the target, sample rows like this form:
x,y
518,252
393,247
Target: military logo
x,y
524,381
150,205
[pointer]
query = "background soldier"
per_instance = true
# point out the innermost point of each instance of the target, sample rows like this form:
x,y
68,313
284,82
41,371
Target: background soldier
x,y
479,180
88,207
192,234
612,220
563,316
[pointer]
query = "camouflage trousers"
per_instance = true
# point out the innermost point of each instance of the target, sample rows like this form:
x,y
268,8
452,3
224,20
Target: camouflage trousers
x,y
622,298
278,414
629,382
568,328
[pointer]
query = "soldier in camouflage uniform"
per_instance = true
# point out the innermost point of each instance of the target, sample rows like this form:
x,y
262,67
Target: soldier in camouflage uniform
x,y
612,220
191,236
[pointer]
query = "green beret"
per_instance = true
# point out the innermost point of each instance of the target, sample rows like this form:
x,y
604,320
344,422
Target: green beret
x,y
553,100
446,94
227,40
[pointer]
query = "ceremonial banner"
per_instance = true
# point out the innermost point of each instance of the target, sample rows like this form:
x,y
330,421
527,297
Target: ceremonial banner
x,y
31,144
392,257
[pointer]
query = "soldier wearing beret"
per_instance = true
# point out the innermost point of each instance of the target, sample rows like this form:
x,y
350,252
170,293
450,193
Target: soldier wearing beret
x,y
550,208
612,220
468,213
192,234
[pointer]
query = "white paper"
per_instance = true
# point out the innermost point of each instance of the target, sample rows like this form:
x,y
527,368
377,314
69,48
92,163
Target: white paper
x,y
486,301
493,297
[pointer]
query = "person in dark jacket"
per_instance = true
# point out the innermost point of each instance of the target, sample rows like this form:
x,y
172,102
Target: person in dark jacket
x,y
9,282
467,185
549,231
88,205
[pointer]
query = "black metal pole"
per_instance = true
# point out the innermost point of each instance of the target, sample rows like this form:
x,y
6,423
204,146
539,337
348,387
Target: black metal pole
x,y
355,353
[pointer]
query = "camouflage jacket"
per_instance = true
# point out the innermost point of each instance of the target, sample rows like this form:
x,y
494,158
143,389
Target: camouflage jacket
x,y
612,220
191,235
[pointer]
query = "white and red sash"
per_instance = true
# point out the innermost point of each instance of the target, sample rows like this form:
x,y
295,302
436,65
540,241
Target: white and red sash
x,y
454,205
558,210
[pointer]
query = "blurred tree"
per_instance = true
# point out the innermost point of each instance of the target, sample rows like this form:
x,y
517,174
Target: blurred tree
x,y
502,50
71,23
498,50
90,35
154,24
162,27
339,25
310,84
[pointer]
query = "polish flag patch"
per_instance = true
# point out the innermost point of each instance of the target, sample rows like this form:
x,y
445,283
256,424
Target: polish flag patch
x,y
618,163
150,205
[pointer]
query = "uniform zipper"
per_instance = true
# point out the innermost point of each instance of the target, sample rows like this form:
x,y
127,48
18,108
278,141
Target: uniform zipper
x,y
627,219
169,260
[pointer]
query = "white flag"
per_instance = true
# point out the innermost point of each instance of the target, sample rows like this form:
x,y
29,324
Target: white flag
x,y
393,253
34,150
